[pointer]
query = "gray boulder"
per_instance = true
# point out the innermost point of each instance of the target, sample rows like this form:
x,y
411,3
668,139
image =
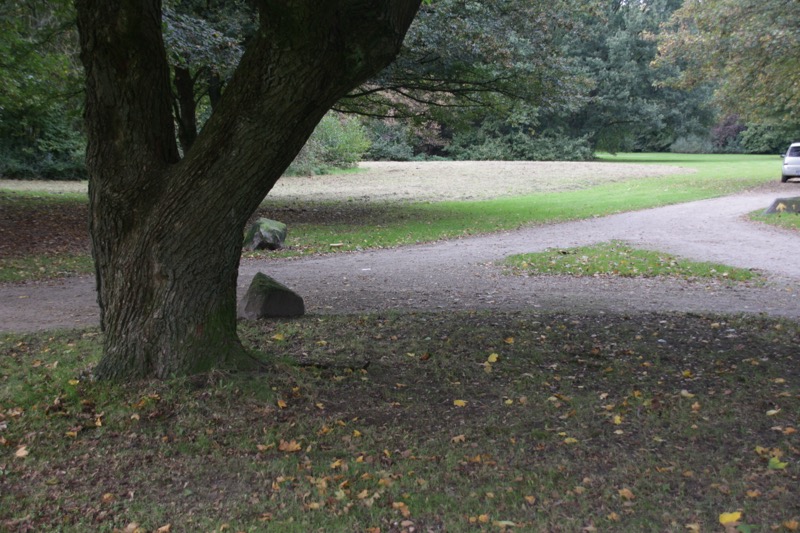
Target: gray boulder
x,y
265,234
267,298
784,205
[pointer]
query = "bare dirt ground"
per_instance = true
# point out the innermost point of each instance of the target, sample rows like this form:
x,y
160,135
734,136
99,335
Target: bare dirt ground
x,y
463,274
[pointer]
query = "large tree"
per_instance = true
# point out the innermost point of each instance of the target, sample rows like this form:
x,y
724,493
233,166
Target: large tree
x,y
167,231
749,50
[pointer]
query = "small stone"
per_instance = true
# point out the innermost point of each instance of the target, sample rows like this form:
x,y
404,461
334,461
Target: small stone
x,y
267,298
265,234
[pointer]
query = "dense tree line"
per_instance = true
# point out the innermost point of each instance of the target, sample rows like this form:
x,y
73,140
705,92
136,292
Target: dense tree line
x,y
512,79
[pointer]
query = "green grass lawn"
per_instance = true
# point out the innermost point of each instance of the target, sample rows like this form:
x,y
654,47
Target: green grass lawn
x,y
314,227
460,422
782,220
618,259
387,225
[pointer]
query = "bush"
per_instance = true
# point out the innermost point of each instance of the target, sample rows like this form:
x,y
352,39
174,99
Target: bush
x,y
48,145
692,144
768,138
338,142
519,146
391,141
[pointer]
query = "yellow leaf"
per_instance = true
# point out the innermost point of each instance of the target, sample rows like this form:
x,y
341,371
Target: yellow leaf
x,y
687,373
614,517
504,523
508,401
487,368
570,440
337,464
729,518
278,337
319,405
789,431
695,528
686,394
753,494
289,447
492,358
626,493
483,518
773,412
313,506
73,382
696,407
779,381
363,494
509,340
791,525
164,529
530,499
617,419
282,404
108,497
776,464
459,403
458,438
22,452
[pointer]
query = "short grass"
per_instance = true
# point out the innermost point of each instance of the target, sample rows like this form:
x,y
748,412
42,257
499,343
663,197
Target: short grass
x,y
456,422
348,226
616,258
351,226
38,267
782,220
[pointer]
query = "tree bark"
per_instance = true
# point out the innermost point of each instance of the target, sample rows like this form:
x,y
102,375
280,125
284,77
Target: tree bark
x,y
185,107
167,233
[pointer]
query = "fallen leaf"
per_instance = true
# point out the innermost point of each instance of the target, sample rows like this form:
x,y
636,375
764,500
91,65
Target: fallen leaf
x,y
773,412
791,525
729,518
509,340
278,337
693,527
356,433
459,403
626,493
570,440
617,420
696,407
492,358
753,494
686,394
504,523
289,447
458,438
281,404
614,517
776,464
530,499
22,452
164,529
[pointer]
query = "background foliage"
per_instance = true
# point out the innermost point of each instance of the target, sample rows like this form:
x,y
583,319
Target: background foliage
x,y
512,79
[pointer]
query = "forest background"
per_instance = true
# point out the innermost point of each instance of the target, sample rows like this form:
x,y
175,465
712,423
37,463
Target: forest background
x,y
506,80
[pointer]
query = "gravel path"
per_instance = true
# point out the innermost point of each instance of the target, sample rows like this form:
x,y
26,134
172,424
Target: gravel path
x,y
461,274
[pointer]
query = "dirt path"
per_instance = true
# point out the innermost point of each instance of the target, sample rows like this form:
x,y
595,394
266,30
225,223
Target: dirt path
x,y
461,274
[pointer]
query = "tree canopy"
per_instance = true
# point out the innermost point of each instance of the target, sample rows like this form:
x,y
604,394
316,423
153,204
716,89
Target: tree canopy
x,y
748,49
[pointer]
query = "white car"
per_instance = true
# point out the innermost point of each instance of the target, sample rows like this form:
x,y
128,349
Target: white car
x,y
791,163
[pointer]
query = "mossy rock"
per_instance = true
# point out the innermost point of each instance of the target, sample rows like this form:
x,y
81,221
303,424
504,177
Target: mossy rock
x,y
265,234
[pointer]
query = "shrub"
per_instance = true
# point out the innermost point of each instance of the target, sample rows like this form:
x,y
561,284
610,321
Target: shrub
x,y
391,141
337,142
692,144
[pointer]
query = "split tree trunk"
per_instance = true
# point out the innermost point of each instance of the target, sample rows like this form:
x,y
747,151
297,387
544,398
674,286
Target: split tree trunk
x,y
167,233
